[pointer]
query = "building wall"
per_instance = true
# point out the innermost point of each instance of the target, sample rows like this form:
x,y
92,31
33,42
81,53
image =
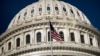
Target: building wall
x,y
44,41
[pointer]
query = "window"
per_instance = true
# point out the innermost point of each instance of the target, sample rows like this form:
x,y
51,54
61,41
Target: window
x,y
17,42
19,17
2,49
48,8
27,39
98,43
9,46
64,9
82,38
40,9
78,13
72,36
91,39
62,35
38,37
49,37
32,11
91,43
56,8
25,13
71,11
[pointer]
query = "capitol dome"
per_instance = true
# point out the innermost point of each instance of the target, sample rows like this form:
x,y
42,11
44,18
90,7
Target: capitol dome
x,y
28,33
39,11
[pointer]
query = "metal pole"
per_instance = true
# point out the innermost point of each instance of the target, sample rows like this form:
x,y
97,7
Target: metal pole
x,y
50,40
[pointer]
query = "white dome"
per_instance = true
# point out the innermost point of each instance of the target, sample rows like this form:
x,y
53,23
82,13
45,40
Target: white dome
x,y
29,32
55,9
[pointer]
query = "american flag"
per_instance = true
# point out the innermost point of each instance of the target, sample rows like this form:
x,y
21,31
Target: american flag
x,y
54,33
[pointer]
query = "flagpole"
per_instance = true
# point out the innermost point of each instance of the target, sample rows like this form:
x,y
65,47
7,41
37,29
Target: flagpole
x,y
50,40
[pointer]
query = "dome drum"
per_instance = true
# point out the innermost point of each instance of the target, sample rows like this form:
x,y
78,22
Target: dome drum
x,y
68,23
43,28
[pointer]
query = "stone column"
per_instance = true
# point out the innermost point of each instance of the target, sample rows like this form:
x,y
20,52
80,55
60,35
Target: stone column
x,y
95,43
5,47
13,43
66,35
87,40
44,37
21,39
33,36
77,36
24,39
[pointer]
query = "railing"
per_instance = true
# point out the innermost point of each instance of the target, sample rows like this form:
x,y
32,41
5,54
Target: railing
x,y
55,44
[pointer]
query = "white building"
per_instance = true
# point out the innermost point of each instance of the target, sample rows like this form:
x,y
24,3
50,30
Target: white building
x,y
28,32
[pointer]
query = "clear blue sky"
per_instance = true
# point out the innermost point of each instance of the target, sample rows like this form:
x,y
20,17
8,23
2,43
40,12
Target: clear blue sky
x,y
9,8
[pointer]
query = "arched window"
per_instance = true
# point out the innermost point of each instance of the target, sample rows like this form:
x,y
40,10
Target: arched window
x,y
25,13
98,43
64,9
72,36
19,17
40,9
32,11
38,37
71,11
17,42
62,35
78,13
48,8
27,39
56,8
9,46
49,37
82,38
91,41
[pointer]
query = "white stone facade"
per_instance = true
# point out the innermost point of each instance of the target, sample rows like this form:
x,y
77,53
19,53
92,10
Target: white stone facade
x,y
34,20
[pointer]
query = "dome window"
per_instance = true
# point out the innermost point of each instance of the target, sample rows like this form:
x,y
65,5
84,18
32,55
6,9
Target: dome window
x,y
78,13
18,42
82,38
48,8
62,35
27,39
40,9
38,37
56,8
19,17
25,13
71,11
9,46
64,9
72,36
32,11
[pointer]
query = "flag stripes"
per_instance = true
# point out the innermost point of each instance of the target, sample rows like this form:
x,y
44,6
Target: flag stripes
x,y
54,34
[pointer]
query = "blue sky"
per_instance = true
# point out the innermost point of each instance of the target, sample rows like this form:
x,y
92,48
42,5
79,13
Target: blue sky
x,y
9,8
